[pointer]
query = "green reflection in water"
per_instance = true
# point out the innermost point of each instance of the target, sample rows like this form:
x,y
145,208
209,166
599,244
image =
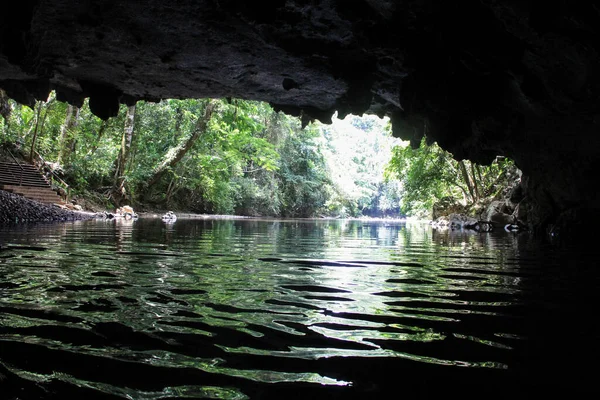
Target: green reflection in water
x,y
357,288
216,366
319,353
185,392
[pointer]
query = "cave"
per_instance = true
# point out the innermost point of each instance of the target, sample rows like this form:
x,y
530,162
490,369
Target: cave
x,y
519,79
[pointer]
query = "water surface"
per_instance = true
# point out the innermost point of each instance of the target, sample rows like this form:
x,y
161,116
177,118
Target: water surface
x,y
305,309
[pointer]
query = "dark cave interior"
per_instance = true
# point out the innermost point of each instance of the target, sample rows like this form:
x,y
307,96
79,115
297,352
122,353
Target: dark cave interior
x,y
520,79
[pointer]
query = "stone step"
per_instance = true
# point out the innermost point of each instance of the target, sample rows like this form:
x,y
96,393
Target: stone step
x,y
18,167
22,174
17,171
28,189
43,195
31,190
23,182
46,200
37,196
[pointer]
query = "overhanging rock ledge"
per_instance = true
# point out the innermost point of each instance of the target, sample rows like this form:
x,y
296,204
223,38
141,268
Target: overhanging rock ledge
x,y
488,78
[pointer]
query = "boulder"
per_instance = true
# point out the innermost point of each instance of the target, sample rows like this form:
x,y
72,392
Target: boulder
x,y
499,214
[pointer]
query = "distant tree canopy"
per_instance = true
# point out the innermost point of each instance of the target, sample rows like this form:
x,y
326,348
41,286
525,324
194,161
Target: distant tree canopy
x,y
210,156
241,157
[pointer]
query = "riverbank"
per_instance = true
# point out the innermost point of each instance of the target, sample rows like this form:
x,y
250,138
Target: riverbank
x,y
187,215
18,209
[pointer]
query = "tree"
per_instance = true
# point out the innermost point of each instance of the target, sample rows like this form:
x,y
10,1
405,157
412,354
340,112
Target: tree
x,y
119,193
357,150
303,176
220,156
429,173
5,108
40,117
177,153
67,132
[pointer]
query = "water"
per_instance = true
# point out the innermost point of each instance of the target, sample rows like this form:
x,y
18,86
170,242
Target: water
x,y
290,309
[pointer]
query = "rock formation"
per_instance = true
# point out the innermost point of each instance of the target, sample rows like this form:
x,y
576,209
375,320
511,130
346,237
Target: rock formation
x,y
16,209
482,78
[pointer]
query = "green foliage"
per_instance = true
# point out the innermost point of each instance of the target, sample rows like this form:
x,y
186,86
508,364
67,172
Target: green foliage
x,y
303,179
96,146
424,176
250,160
20,121
429,173
357,151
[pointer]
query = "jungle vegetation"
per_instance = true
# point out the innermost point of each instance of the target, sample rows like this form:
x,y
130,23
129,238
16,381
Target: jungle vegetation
x,y
234,156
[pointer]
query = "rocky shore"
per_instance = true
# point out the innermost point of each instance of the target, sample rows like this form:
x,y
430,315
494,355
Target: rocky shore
x,y
18,209
509,211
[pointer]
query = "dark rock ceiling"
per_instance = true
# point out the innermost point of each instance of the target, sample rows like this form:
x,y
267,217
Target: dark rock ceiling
x,y
482,78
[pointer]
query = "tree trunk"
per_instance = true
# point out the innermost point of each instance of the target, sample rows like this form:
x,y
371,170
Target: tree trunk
x,y
475,183
39,123
466,178
176,154
5,108
480,175
66,142
35,131
119,193
169,194
101,131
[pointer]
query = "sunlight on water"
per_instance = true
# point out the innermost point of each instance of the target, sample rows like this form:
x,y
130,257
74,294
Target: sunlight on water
x,y
243,308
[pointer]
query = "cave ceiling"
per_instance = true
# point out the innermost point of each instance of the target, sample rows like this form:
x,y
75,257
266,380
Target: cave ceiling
x,y
482,78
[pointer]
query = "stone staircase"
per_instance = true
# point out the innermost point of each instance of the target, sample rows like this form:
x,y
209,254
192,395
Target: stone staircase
x,y
25,180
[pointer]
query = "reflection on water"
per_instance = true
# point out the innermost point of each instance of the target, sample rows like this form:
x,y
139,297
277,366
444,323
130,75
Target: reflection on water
x,y
270,309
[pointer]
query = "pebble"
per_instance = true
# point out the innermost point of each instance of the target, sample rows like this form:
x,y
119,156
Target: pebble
x,y
18,209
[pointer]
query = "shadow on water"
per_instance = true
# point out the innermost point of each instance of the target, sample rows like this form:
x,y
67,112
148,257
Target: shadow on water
x,y
302,309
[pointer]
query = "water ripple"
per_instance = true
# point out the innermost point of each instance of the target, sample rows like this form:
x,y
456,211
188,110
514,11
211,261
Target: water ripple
x,y
240,309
